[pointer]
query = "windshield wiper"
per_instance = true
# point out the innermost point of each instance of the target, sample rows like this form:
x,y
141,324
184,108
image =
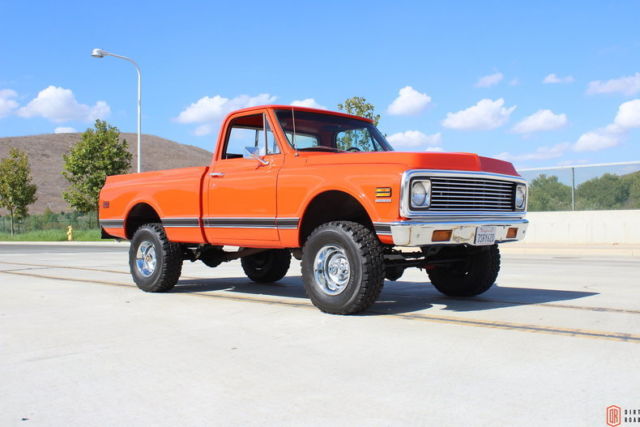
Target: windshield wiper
x,y
321,148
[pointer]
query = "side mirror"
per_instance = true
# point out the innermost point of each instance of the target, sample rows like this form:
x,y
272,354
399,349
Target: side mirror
x,y
253,153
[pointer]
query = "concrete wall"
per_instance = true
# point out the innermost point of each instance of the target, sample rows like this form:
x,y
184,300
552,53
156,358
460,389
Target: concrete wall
x,y
621,226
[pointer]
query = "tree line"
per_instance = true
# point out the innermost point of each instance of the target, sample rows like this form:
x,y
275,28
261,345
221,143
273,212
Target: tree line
x,y
98,154
609,191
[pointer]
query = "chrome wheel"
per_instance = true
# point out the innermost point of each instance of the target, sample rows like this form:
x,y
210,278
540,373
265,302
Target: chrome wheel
x,y
146,258
331,270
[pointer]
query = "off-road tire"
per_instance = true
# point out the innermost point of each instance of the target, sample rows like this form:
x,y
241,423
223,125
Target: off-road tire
x,y
360,247
168,259
268,266
468,278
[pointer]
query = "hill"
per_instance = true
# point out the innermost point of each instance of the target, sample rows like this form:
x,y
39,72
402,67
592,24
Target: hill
x,y
45,156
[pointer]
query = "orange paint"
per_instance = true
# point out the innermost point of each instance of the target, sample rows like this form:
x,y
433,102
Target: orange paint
x,y
241,202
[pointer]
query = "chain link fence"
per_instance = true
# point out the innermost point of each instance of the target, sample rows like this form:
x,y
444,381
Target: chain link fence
x,y
50,221
606,186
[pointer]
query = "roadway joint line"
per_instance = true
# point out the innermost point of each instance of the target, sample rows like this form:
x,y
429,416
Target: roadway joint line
x,y
520,327
443,300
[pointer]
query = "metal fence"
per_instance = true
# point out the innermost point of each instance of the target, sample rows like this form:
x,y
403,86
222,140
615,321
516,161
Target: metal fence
x,y
50,221
584,187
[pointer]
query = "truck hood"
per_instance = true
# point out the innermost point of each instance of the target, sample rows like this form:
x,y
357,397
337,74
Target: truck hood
x,y
439,161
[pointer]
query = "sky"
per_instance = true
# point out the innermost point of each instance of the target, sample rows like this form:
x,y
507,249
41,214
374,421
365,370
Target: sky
x,y
542,83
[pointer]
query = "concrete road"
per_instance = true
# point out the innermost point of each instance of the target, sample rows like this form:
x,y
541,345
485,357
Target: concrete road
x,y
554,343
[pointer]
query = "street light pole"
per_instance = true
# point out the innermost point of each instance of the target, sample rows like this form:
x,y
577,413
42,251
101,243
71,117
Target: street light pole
x,y
99,53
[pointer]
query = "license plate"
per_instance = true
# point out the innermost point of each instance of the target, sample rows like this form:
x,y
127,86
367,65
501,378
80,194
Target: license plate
x,y
485,235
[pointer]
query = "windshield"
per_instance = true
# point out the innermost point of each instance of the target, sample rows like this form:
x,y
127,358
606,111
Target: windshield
x,y
326,132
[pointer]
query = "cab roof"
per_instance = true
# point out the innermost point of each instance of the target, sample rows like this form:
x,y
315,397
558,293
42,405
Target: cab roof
x,y
295,108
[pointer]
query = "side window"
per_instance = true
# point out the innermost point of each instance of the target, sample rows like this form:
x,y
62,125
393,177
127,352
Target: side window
x,y
249,131
271,143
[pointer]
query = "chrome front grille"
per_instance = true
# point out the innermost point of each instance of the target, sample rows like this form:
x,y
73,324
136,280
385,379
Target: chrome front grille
x,y
471,194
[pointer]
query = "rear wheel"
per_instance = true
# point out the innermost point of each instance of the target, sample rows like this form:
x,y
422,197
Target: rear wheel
x,y
267,266
154,261
475,274
342,267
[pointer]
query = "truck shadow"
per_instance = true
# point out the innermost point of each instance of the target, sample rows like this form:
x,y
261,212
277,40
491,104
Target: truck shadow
x,y
396,297
401,297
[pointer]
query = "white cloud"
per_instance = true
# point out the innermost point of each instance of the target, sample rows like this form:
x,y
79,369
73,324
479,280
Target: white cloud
x,y
60,105
627,118
64,129
629,85
202,130
597,140
309,103
541,120
490,80
7,104
628,115
435,149
541,153
612,135
213,109
415,138
485,115
553,79
409,101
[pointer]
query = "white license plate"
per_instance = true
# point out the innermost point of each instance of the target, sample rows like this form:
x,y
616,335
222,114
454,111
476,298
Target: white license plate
x,y
485,235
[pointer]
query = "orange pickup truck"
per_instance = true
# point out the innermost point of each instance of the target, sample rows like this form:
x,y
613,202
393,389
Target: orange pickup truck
x,y
328,189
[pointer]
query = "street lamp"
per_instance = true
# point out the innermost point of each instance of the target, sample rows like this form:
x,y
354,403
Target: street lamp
x,y
99,53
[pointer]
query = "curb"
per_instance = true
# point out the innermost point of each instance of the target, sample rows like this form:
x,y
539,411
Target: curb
x,y
560,249
109,243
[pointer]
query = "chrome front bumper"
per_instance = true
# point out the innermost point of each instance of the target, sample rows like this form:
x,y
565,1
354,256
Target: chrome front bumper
x,y
420,233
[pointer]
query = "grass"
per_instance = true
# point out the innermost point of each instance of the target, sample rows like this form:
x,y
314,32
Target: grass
x,y
52,236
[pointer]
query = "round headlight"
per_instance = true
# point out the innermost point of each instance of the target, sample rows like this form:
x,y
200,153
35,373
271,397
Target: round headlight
x,y
520,196
420,194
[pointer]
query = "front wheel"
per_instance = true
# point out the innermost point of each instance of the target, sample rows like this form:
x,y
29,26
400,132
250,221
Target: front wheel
x,y
475,274
155,262
342,267
267,266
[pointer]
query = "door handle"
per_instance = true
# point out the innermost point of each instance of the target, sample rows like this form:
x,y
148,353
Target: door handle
x,y
217,174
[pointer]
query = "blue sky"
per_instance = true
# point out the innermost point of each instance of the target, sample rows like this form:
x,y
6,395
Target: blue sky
x,y
453,76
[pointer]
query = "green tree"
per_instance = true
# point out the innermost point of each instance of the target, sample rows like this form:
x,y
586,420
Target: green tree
x,y
358,106
546,193
17,191
605,192
98,154
633,181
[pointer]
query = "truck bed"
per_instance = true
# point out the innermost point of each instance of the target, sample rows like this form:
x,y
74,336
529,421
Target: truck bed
x,y
177,196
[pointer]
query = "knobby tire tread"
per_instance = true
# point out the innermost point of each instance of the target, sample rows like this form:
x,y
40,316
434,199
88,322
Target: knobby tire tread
x,y
370,256
171,267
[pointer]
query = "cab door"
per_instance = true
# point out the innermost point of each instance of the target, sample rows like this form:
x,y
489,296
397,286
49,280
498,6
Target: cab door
x,y
240,207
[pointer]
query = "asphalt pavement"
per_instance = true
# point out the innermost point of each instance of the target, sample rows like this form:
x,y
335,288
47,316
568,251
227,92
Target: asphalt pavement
x,y
555,342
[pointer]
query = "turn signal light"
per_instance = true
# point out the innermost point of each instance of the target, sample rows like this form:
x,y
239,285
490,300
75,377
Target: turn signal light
x,y
441,236
383,191
512,233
